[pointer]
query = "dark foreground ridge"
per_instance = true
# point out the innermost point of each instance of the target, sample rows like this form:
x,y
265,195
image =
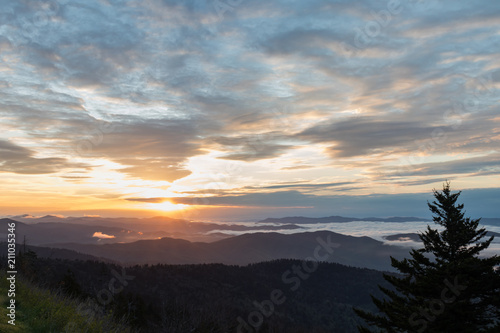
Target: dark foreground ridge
x,y
315,298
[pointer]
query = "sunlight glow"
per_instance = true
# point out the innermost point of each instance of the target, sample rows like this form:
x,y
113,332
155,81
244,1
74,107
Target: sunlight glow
x,y
166,206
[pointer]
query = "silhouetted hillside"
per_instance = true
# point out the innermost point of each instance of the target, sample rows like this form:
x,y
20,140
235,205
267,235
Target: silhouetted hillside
x,y
53,253
248,248
211,298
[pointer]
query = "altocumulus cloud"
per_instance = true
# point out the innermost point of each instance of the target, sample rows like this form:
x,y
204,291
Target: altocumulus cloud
x,y
261,82
14,158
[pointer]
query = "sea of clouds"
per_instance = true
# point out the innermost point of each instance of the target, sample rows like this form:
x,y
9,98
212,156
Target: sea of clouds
x,y
375,230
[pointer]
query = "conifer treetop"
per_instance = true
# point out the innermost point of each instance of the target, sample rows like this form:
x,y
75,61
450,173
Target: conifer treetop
x,y
460,237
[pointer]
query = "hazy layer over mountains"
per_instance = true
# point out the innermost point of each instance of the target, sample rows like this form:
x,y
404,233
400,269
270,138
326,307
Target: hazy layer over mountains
x,y
250,248
50,230
174,241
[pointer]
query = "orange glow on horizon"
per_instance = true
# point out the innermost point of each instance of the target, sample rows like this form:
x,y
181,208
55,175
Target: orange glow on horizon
x,y
166,206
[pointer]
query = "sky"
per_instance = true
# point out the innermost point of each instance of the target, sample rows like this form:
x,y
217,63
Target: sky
x,y
232,109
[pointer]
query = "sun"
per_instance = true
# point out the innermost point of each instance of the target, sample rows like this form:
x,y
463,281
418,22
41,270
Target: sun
x,y
167,206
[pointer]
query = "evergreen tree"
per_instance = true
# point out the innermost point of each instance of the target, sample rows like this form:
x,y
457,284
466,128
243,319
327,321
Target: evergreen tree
x,y
445,286
70,286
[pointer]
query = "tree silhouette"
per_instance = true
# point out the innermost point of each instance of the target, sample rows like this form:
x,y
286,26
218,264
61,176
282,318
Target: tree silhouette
x,y
446,286
70,286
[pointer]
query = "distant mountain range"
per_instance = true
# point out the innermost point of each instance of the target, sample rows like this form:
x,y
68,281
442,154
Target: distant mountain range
x,y
249,248
490,221
103,230
174,241
338,219
152,223
53,253
343,219
414,236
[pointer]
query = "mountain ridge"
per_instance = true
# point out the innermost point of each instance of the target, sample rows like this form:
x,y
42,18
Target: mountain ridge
x,y
339,219
247,249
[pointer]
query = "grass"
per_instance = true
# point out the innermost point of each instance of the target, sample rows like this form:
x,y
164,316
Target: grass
x,y
4,325
40,310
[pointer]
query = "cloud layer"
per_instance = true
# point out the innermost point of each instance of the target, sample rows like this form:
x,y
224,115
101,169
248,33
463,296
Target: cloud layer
x,y
364,97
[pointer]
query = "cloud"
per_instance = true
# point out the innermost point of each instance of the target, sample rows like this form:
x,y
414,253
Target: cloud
x,y
275,199
479,203
148,200
302,185
152,87
101,235
252,147
17,159
298,167
153,149
366,135
483,165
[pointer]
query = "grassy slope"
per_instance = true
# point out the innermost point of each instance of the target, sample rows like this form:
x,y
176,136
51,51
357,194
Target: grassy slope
x,y
39,310
4,325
